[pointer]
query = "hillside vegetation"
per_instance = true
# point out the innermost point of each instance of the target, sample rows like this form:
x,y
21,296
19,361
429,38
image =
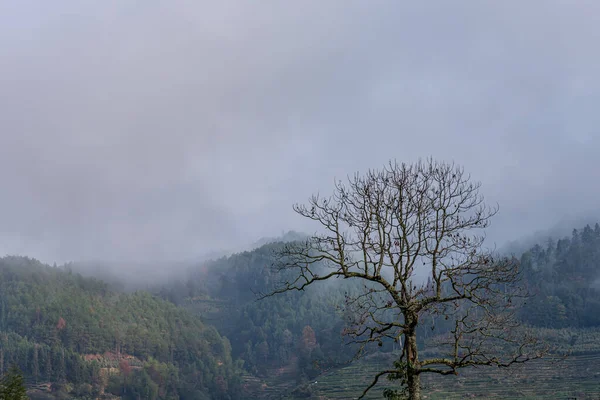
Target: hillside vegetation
x,y
299,331
74,335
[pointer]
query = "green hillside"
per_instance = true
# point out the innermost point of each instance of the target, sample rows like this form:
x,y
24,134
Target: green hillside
x,y
299,330
70,334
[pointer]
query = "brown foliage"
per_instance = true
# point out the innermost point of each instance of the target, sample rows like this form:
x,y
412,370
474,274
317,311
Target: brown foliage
x,y
124,367
309,339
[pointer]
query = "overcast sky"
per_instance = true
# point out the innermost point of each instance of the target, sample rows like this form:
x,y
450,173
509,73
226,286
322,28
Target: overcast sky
x,y
141,130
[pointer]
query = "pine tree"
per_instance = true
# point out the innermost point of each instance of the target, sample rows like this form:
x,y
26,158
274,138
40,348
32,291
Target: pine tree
x,y
12,386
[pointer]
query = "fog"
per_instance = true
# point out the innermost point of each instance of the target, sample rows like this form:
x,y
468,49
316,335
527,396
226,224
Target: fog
x,y
164,130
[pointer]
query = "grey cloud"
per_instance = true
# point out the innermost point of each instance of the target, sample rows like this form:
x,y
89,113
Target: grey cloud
x,y
161,130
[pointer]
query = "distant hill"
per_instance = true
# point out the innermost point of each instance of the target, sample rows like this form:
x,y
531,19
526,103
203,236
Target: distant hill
x,y
560,230
290,236
564,277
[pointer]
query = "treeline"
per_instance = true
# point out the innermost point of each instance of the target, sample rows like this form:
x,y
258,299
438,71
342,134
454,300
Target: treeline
x,y
73,332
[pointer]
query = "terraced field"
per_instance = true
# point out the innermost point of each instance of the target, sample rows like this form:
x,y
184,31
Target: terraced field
x,y
576,377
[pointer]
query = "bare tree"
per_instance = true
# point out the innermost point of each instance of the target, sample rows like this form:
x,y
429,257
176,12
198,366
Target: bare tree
x,y
392,229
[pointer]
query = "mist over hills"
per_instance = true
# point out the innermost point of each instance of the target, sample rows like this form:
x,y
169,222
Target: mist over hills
x,y
289,236
131,276
557,230
68,331
155,150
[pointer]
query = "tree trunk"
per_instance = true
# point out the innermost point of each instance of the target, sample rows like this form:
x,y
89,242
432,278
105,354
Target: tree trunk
x,y
414,386
413,380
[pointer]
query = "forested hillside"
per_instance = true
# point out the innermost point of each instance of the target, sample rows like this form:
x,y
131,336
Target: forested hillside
x,y
72,335
299,331
564,278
